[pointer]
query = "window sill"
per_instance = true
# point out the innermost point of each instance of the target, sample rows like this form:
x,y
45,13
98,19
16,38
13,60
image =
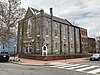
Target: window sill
x,y
47,35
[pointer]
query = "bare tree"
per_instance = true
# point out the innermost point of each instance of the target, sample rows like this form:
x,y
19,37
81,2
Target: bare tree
x,y
75,24
10,13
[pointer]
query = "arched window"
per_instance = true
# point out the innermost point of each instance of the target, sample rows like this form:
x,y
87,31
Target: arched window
x,y
38,26
56,45
29,27
70,33
47,27
65,31
56,25
26,49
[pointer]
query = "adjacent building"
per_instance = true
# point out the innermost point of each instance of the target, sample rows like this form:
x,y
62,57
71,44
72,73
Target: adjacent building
x,y
11,48
98,44
84,40
91,45
59,35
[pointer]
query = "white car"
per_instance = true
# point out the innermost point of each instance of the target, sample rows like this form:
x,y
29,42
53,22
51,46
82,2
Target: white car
x,y
95,57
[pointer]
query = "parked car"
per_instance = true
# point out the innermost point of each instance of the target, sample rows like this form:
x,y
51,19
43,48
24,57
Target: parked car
x,y
4,56
95,57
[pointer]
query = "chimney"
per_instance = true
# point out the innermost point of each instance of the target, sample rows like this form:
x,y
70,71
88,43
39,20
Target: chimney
x,y
51,11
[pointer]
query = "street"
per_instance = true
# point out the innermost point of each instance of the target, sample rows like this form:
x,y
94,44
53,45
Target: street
x,y
81,68
85,67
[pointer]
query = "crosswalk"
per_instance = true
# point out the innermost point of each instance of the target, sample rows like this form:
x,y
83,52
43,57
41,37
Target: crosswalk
x,y
91,69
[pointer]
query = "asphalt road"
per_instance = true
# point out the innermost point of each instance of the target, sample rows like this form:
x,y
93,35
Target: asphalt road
x,y
15,69
91,62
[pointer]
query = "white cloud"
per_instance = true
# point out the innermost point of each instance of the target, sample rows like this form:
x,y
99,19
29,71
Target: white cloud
x,y
84,12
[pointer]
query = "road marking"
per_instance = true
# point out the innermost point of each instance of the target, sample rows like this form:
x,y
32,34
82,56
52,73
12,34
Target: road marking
x,y
86,68
68,66
79,67
58,65
76,67
94,71
63,66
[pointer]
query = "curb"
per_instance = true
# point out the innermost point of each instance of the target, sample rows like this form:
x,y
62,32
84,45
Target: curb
x,y
45,64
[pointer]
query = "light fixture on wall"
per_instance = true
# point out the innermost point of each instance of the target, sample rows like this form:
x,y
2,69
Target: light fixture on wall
x,y
47,35
38,35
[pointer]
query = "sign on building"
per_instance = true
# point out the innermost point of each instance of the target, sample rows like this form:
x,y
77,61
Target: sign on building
x,y
44,50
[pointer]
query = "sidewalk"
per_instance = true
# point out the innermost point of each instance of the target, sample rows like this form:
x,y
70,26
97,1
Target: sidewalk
x,y
39,62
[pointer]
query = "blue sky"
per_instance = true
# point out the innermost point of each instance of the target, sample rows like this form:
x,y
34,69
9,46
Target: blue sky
x,y
83,13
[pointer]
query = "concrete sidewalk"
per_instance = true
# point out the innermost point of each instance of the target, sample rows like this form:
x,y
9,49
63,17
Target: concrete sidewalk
x,y
39,62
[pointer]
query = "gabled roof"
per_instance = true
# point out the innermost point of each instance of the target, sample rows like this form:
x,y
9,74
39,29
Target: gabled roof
x,y
61,20
34,10
31,11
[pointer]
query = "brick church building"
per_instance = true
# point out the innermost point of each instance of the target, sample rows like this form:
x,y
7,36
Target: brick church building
x,y
38,28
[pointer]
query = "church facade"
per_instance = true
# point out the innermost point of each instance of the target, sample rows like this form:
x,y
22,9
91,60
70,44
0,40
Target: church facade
x,y
39,28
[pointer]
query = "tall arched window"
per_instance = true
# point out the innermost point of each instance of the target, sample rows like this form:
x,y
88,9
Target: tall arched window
x,y
56,46
29,27
65,31
38,26
56,25
47,27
